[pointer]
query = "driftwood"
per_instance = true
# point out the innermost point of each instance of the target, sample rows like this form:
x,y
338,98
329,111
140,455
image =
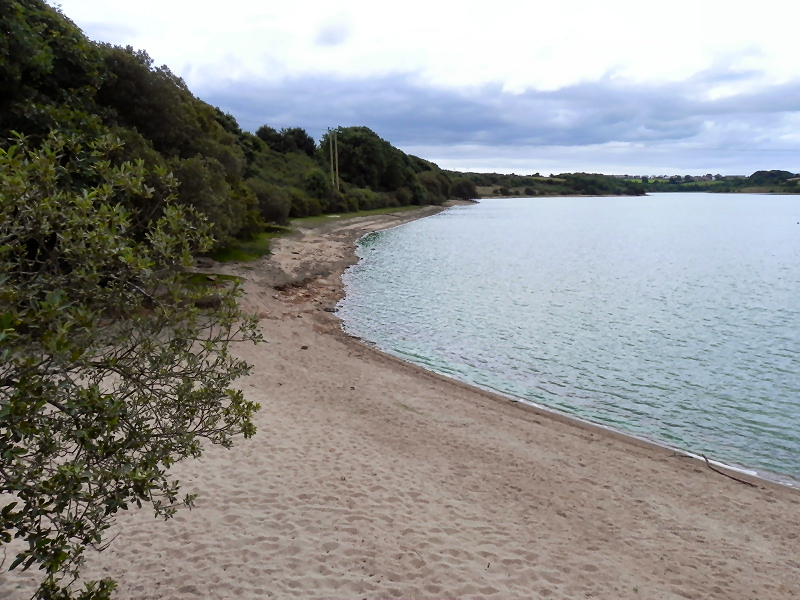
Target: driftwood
x,y
708,464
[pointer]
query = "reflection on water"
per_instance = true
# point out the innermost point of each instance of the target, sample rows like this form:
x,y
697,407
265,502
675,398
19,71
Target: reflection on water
x,y
675,317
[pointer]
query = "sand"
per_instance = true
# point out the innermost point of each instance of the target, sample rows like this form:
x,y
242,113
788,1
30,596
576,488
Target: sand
x,y
371,478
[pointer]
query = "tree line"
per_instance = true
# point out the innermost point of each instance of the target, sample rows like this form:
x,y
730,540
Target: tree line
x,y
761,182
113,365
564,184
53,79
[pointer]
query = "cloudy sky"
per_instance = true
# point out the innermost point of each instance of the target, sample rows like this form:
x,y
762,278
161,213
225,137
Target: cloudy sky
x,y
619,86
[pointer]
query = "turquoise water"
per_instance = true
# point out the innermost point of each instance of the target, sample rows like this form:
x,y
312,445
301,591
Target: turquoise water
x,y
674,317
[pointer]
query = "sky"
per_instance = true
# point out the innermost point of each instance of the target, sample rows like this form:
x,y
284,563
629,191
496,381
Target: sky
x,y
616,87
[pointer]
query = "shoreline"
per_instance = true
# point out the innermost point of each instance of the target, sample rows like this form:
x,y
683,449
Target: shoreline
x,y
751,474
370,477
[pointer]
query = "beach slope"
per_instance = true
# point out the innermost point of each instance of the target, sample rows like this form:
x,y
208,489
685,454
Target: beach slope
x,y
371,478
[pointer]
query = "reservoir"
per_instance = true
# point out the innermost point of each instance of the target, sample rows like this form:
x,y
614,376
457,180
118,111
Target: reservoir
x,y
673,317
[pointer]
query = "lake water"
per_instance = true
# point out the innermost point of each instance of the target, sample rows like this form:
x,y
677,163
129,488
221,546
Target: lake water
x,y
674,317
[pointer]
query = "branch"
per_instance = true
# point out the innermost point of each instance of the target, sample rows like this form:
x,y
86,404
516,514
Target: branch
x,y
708,464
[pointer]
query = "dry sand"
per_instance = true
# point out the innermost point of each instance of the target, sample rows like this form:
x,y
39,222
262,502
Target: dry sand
x,y
371,478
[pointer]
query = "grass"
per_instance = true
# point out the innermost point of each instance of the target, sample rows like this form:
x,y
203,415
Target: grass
x,y
322,219
202,279
247,250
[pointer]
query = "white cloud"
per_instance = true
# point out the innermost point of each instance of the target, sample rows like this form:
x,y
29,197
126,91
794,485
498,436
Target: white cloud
x,y
572,74
518,45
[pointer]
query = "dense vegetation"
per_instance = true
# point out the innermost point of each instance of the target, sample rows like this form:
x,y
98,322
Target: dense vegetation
x,y
566,184
112,365
760,182
53,79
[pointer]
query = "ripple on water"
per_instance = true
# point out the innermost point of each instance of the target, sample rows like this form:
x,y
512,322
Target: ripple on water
x,y
673,317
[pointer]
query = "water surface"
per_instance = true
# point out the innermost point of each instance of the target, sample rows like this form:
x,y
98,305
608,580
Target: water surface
x,y
675,317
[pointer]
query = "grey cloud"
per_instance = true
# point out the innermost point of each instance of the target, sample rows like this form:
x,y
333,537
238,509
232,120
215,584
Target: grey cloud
x,y
590,114
333,33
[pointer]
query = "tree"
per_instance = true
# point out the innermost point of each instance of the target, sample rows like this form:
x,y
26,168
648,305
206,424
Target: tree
x,y
112,367
271,137
296,139
368,161
274,202
464,188
436,186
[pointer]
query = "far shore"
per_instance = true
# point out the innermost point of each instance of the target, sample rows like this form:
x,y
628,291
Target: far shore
x,y
372,478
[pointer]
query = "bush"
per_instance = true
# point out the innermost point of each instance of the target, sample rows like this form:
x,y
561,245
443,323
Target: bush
x,y
463,188
111,368
274,202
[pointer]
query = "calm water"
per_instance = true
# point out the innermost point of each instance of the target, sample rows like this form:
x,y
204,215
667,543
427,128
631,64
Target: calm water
x,y
675,317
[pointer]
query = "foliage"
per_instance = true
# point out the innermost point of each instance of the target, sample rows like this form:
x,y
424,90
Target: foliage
x,y
775,181
318,185
111,369
367,161
293,139
48,70
436,184
566,184
463,188
274,202
271,137
364,199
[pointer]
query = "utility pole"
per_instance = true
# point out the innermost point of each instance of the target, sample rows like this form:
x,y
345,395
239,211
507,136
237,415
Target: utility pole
x,y
330,147
334,150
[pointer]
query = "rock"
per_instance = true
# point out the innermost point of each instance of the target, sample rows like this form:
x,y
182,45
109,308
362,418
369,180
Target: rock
x,y
211,301
203,262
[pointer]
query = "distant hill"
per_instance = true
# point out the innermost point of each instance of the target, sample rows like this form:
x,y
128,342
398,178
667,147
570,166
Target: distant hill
x,y
565,184
760,182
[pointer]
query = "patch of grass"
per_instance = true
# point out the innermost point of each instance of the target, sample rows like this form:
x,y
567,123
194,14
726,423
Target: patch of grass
x,y
322,219
247,250
759,189
408,408
208,279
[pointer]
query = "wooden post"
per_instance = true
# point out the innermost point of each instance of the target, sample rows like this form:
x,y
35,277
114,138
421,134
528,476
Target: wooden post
x,y
336,154
330,145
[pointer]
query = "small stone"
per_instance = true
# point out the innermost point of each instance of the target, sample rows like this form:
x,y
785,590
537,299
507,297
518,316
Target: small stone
x,y
202,262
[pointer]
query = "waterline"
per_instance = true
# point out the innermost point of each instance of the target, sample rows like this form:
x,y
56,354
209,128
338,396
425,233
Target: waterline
x,y
671,318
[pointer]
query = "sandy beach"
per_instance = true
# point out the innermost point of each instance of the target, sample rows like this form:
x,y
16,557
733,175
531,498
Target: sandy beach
x,y
372,478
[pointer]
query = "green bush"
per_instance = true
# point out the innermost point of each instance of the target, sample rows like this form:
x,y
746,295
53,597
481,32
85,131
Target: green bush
x,y
274,202
112,369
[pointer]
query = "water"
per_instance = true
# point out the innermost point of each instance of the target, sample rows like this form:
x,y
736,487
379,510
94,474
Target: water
x,y
674,317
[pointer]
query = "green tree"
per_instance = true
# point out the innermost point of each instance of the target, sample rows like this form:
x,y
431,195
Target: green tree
x,y
463,188
274,202
296,139
48,71
271,137
368,161
112,368
318,185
